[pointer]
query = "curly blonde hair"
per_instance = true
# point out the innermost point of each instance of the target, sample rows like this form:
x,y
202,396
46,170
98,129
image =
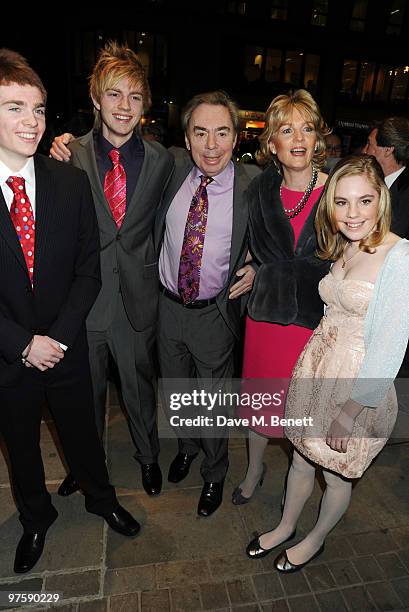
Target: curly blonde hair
x,y
280,111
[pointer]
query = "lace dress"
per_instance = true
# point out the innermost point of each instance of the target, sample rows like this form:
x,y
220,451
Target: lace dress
x,y
324,376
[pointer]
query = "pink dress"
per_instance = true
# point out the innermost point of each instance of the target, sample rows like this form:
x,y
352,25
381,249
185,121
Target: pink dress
x,y
270,349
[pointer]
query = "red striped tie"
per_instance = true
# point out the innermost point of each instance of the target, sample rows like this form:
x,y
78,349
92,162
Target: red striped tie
x,y
115,187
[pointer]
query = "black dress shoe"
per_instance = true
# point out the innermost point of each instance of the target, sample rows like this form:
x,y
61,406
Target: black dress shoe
x,y
122,522
254,549
68,486
284,565
28,551
151,478
180,466
210,498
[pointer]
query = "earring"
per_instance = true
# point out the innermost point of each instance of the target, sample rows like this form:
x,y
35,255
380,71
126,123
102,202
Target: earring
x,y
316,149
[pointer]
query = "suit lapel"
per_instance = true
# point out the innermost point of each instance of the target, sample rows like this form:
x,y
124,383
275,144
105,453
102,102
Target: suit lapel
x,y
240,215
148,167
45,209
182,169
88,162
8,232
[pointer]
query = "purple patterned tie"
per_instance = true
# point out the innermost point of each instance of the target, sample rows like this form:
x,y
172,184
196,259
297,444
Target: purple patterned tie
x,y
193,243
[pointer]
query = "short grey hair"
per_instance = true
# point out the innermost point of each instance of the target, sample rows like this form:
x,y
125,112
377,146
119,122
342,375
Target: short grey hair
x,y
215,98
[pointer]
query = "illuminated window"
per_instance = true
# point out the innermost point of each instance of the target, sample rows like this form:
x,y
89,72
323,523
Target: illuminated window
x,y
274,58
293,65
236,8
349,73
312,66
319,12
384,81
279,9
253,63
396,11
400,84
359,15
365,81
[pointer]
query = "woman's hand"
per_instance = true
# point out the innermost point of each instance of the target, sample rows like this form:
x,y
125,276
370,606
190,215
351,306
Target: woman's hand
x,y
340,430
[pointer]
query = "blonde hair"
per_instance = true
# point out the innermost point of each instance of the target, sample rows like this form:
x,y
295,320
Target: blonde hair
x,y
331,242
280,111
114,63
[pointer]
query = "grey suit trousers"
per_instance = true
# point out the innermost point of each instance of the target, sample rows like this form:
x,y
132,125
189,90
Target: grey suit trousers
x,y
197,344
133,353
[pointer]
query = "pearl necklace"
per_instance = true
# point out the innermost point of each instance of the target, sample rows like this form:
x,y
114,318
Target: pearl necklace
x,y
293,212
345,261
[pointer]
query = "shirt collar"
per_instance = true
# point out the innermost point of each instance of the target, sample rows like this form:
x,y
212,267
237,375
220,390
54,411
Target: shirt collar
x,y
27,172
391,178
127,150
220,179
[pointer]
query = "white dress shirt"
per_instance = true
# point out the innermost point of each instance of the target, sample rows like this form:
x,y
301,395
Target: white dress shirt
x,y
28,174
391,178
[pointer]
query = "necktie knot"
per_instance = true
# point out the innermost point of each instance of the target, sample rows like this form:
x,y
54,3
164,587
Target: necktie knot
x,y
16,184
114,156
205,180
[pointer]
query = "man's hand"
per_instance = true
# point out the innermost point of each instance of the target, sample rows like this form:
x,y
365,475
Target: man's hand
x,y
245,284
59,149
44,353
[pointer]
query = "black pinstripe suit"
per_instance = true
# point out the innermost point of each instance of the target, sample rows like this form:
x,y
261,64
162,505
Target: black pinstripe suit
x,y
66,283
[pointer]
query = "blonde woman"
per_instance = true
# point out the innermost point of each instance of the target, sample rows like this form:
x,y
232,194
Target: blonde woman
x,y
342,384
284,306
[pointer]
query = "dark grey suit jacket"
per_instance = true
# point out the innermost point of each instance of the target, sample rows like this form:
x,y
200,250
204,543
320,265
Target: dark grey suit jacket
x,y
128,258
230,310
400,204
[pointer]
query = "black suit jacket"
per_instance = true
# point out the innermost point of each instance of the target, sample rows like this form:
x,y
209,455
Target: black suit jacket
x,y
400,204
231,310
66,271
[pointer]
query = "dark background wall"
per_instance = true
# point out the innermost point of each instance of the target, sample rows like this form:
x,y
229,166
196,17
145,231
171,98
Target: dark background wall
x,y
256,49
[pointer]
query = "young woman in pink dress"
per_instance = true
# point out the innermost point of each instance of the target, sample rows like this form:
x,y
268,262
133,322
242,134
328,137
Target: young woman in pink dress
x,y
284,305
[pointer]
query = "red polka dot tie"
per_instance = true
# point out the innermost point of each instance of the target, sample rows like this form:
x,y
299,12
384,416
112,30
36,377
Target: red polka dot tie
x,y
23,219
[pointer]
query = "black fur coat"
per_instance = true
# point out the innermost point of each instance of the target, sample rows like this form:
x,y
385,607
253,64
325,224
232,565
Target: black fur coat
x,y
286,285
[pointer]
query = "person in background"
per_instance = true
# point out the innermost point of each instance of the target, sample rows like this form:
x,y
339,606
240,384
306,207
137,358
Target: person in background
x,y
388,142
127,175
333,144
284,305
343,380
50,278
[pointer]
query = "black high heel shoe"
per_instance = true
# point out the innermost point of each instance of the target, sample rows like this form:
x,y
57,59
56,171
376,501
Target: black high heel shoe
x,y
254,549
283,565
238,499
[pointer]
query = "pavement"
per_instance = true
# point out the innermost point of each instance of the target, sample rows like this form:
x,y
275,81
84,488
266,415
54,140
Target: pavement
x,y
181,562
